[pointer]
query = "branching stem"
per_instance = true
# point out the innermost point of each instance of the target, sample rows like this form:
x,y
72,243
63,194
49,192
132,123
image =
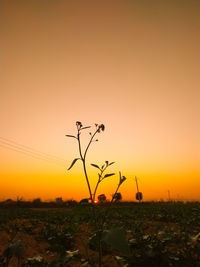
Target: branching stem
x,y
98,224
84,164
91,139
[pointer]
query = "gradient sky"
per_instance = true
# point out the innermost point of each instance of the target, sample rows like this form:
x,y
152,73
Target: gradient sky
x,y
132,65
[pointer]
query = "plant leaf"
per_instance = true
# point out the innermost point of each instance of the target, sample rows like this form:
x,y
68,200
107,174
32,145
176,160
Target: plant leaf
x,y
85,127
68,135
122,179
116,237
108,174
111,163
73,162
96,166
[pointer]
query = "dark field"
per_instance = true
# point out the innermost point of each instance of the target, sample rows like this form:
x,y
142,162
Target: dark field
x,y
157,234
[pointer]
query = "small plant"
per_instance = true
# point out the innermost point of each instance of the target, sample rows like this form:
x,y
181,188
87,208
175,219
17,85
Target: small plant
x,y
14,249
114,236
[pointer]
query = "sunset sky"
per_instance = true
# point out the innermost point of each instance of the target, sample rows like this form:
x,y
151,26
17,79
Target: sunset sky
x,y
132,65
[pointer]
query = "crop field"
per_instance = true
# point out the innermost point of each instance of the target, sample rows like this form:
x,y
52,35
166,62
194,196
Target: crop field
x,y
155,234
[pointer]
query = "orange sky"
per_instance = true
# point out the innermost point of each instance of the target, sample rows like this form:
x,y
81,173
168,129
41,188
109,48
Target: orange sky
x,y
132,65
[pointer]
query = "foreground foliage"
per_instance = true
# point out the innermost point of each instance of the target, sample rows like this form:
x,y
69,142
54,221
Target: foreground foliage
x,y
101,235
157,234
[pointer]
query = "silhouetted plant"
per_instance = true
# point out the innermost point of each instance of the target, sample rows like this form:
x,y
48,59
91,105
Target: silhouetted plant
x,y
114,236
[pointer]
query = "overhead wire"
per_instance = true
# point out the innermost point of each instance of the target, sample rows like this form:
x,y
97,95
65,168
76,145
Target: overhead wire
x,y
22,152
12,145
2,139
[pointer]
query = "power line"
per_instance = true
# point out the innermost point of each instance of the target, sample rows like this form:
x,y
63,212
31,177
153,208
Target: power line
x,y
20,149
13,149
31,155
30,149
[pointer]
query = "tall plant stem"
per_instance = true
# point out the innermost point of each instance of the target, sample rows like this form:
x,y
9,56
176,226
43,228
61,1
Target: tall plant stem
x,y
88,183
98,182
84,165
95,190
83,158
91,139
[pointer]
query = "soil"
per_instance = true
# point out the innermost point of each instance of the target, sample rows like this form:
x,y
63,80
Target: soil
x,y
34,245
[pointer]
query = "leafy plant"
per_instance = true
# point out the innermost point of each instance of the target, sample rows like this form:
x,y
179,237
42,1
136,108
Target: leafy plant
x,y
109,236
14,249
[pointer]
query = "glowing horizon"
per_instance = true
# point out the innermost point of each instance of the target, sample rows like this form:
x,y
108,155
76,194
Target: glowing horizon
x,y
130,65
